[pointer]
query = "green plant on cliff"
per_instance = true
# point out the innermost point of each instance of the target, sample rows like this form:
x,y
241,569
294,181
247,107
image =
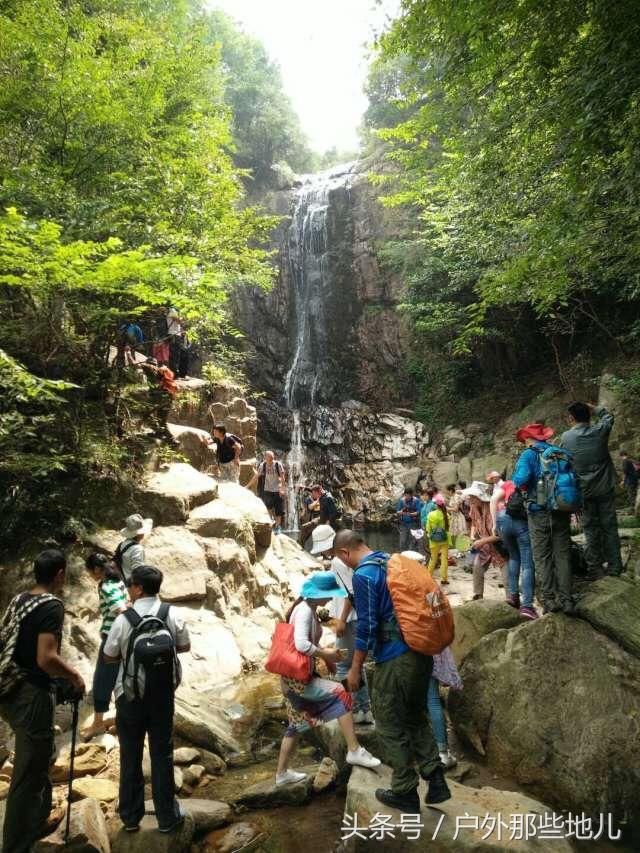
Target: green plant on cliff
x,y
511,130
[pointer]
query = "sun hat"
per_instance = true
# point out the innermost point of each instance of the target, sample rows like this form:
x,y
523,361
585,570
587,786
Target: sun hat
x,y
414,555
322,539
322,585
477,489
538,432
136,525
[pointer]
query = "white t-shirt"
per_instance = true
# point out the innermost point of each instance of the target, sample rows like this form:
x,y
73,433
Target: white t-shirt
x,y
118,639
173,326
344,576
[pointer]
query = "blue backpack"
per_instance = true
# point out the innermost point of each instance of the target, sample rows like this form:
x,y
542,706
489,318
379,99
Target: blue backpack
x,y
558,487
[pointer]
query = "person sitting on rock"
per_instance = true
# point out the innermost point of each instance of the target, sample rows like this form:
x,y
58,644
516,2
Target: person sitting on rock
x,y
228,452
344,612
150,715
320,699
130,552
401,681
112,600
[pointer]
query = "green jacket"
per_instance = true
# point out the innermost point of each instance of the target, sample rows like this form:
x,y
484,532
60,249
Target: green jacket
x,y
589,444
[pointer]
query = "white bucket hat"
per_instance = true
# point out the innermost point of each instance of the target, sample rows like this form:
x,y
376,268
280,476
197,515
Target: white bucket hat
x,y
477,489
136,525
414,555
322,539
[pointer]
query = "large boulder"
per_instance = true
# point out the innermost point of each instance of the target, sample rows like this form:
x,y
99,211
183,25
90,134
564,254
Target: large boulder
x,y
194,446
149,840
214,657
218,520
250,507
199,721
207,814
475,619
458,824
87,832
182,560
556,706
170,494
612,606
267,794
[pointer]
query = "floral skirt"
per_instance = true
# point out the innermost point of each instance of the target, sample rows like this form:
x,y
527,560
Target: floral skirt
x,y
315,702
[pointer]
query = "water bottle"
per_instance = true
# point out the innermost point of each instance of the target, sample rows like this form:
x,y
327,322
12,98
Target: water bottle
x,y
541,491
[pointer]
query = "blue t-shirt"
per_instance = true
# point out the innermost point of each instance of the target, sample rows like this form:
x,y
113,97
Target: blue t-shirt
x,y
374,606
414,505
427,507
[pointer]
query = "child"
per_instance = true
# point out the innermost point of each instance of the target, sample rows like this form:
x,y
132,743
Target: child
x,y
437,530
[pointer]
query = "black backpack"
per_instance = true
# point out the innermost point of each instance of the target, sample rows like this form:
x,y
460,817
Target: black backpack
x,y
517,506
121,550
11,675
151,668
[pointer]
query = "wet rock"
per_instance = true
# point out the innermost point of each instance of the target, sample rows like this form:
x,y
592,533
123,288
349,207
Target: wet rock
x,y
90,787
554,705
326,775
475,619
612,606
185,755
87,831
269,795
149,840
171,493
441,819
239,838
90,759
181,558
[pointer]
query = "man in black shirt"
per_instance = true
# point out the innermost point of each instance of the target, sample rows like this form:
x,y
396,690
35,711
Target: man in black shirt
x,y
29,708
329,512
228,450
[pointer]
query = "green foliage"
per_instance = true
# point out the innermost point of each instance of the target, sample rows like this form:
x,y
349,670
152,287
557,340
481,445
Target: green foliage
x,y
511,132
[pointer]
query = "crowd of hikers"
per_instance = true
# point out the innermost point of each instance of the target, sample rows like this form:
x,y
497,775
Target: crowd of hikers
x,y
522,525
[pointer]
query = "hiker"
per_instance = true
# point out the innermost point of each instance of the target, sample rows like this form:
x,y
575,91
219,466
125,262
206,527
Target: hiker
x,y
457,522
112,600
484,552
34,621
175,336
401,683
437,531
408,512
130,552
309,512
343,611
494,478
162,390
589,444
328,511
228,452
630,474
464,505
160,349
320,699
511,525
270,477
129,338
144,693
549,530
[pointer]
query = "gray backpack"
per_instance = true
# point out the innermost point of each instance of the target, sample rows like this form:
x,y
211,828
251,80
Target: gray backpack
x,y
11,675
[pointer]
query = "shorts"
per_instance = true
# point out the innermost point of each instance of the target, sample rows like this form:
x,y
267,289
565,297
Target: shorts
x,y
274,501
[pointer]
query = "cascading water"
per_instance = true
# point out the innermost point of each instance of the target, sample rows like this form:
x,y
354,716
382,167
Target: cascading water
x,y
307,252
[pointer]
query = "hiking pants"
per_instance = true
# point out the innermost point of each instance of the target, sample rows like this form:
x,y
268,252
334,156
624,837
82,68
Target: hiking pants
x,y
408,542
515,536
402,721
600,525
550,534
30,713
439,551
134,720
361,701
104,680
480,567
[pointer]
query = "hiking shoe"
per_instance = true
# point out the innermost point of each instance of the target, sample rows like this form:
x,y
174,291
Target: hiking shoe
x,y
438,790
529,612
408,803
448,760
167,829
362,758
134,827
444,583
289,777
363,718
514,601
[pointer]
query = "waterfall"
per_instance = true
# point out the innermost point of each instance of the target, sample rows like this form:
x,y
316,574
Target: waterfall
x,y
306,249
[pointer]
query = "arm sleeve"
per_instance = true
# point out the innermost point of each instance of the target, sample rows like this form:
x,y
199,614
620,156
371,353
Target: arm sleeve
x,y
366,598
605,419
135,556
112,644
302,626
428,526
50,618
522,473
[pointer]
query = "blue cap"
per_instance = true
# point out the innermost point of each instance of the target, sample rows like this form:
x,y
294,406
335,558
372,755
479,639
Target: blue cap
x,y
322,585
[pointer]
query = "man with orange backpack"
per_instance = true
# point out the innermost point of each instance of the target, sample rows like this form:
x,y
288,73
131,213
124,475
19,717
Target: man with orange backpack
x,y
402,673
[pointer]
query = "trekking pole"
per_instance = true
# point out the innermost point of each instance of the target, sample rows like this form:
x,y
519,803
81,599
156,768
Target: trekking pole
x,y
74,732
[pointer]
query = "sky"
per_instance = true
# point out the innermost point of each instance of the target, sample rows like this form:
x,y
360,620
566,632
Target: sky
x,y
321,48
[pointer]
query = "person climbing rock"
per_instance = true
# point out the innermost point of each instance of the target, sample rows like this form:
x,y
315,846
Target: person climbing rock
x,y
162,390
401,683
319,700
229,449
130,552
271,481
589,443
328,512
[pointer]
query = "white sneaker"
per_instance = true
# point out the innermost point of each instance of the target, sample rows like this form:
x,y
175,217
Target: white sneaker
x,y
448,760
362,757
363,718
289,777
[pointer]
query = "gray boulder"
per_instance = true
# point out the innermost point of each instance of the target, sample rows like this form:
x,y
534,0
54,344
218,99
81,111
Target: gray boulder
x,y
149,840
612,606
475,619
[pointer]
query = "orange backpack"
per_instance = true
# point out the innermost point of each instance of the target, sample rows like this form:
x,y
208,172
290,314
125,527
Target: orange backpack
x,y
421,608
